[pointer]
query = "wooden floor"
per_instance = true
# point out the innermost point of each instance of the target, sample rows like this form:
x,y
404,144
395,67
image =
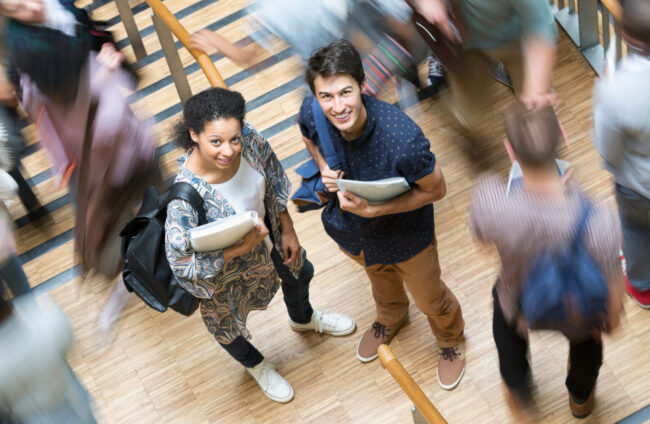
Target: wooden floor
x,y
163,368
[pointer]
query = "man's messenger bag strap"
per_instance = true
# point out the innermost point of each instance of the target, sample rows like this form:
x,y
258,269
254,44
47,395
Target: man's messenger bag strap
x,y
312,193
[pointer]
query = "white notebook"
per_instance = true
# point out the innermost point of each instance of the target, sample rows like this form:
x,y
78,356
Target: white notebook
x,y
375,191
223,233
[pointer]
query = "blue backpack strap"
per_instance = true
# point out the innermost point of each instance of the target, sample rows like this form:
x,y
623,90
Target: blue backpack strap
x,y
331,157
586,208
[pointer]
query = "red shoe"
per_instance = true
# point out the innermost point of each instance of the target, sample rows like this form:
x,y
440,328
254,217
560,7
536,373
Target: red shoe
x,y
642,298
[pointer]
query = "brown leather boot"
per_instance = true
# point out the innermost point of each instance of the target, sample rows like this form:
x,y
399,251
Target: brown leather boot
x,y
581,410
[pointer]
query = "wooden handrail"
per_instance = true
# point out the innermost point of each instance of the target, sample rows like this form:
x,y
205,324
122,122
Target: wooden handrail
x,y
183,36
615,9
410,387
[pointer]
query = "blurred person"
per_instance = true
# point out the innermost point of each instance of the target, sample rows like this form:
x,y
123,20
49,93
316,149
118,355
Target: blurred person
x,y
224,155
394,241
75,96
540,214
521,34
37,385
11,270
379,28
622,136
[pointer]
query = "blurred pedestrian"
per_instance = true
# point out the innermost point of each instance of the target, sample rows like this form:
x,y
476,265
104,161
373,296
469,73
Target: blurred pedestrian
x,y
541,215
622,136
37,385
521,34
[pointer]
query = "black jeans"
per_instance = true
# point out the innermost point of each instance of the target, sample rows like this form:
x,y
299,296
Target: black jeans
x,y
296,297
585,358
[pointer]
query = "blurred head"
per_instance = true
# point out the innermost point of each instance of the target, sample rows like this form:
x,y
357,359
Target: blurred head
x,y
636,24
533,134
212,122
335,76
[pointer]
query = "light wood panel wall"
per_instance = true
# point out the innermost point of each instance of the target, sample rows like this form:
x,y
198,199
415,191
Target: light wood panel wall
x,y
163,368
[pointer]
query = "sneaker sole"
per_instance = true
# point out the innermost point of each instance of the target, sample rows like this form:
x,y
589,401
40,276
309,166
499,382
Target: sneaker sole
x,y
376,355
330,333
280,400
454,384
641,305
365,360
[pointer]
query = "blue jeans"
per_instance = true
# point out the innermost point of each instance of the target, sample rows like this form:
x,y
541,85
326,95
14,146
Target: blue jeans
x,y
11,272
634,211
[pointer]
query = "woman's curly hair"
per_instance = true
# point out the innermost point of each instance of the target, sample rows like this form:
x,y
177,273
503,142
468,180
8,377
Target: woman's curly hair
x,y
204,107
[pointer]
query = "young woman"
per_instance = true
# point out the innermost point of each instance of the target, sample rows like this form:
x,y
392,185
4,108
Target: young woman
x,y
234,169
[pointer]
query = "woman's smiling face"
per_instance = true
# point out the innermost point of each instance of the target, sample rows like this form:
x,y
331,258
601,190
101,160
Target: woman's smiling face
x,y
219,144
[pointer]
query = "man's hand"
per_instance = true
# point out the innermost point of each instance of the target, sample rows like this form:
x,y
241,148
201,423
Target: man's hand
x,y
435,11
349,202
290,245
29,11
329,177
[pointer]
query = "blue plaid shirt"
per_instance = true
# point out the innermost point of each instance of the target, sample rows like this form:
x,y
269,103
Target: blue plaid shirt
x,y
392,145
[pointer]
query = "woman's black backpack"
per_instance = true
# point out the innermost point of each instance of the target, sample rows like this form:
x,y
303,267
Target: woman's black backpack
x,y
146,270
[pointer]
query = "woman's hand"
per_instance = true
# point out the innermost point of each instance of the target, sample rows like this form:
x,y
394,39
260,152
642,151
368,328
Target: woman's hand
x,y
250,241
110,58
290,245
110,61
255,236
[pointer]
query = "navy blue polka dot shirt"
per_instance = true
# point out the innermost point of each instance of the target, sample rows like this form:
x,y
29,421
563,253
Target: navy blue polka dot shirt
x,y
392,145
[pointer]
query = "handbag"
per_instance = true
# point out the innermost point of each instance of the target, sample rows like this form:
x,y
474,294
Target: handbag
x,y
447,51
312,193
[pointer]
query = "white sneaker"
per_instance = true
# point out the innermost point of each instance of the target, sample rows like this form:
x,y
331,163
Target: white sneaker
x,y
327,322
272,384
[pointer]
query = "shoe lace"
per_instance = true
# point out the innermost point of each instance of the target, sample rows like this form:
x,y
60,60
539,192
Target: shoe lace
x,y
324,321
449,353
380,330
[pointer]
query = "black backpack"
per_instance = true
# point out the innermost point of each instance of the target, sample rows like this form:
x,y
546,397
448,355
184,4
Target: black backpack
x,y
146,270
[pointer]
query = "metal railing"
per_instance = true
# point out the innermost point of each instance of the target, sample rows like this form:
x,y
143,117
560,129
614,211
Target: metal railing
x,y
423,412
166,24
589,25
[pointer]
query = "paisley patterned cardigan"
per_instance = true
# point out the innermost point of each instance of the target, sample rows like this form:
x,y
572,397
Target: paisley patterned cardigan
x,y
229,291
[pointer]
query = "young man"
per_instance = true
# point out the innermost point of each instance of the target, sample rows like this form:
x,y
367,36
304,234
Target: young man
x,y
542,214
622,136
393,241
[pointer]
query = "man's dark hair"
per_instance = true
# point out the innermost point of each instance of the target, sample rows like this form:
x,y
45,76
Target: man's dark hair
x,y
208,105
533,134
340,57
636,22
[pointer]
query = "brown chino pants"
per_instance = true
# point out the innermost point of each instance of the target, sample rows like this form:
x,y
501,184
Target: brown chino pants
x,y
421,274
